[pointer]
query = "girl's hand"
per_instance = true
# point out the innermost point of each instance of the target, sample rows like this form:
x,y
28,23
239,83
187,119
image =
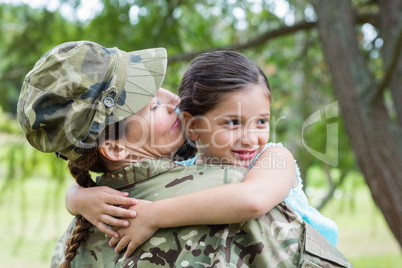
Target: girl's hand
x,y
142,227
100,206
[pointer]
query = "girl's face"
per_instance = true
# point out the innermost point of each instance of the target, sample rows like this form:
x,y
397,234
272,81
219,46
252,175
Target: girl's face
x,y
236,130
155,130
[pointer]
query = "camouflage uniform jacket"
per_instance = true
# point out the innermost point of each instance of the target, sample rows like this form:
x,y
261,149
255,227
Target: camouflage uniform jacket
x,y
279,238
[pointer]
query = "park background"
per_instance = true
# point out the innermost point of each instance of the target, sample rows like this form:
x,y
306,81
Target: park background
x,y
334,68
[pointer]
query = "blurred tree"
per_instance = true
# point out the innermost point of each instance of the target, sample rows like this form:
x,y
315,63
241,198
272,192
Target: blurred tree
x,y
26,34
375,136
312,54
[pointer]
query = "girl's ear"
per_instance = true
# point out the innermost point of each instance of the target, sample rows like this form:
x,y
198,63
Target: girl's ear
x,y
190,124
113,150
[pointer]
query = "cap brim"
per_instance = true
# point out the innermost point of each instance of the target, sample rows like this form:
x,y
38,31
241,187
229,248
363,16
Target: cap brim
x,y
146,72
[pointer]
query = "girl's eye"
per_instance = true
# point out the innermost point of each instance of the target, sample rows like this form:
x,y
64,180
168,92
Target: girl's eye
x,y
262,121
233,122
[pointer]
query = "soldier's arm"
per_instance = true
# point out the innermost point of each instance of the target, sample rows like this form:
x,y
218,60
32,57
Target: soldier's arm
x,y
100,206
263,187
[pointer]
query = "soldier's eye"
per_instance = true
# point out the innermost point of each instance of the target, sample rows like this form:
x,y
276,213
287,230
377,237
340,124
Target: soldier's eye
x,y
156,105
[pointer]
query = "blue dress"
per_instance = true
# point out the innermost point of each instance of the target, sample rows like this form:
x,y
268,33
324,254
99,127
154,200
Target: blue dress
x,y
297,200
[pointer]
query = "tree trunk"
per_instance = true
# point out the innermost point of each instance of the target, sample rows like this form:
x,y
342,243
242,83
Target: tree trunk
x,y
375,139
391,31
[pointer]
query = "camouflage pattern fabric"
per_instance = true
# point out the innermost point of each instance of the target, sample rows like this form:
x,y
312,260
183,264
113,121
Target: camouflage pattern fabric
x,y
77,88
279,238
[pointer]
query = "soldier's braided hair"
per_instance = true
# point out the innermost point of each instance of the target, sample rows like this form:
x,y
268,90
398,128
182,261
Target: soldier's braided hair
x,y
79,170
92,160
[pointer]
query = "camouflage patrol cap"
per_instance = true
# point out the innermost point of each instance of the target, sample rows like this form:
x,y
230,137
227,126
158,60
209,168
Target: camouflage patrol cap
x,y
77,88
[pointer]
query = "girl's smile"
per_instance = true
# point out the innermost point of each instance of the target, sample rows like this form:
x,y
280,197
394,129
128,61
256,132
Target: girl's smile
x,y
245,154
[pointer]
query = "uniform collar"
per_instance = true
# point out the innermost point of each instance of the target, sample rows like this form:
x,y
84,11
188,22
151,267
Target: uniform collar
x,y
135,173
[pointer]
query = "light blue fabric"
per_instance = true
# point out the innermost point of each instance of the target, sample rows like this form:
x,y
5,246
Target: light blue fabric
x,y
299,202
188,162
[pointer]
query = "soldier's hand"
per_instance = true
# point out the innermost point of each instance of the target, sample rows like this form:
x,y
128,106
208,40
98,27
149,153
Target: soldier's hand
x,y
141,228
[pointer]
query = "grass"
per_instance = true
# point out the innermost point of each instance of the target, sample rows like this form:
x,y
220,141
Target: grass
x,y
364,237
33,218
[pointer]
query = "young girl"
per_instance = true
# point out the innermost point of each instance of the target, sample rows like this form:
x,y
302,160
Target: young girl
x,y
226,109
204,93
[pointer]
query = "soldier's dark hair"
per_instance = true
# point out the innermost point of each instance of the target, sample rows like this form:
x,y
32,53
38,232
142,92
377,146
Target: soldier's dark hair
x,y
93,161
209,79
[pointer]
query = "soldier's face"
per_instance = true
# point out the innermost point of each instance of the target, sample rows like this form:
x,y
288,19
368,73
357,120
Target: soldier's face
x,y
155,130
236,130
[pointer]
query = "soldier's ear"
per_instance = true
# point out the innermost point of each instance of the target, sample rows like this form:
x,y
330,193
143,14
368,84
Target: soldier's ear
x,y
113,150
190,125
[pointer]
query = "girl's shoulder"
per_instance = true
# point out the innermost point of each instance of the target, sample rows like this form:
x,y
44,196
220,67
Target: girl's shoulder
x,y
299,187
268,145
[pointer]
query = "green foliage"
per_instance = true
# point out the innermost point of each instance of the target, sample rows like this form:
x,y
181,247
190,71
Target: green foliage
x,y
28,33
8,123
20,162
